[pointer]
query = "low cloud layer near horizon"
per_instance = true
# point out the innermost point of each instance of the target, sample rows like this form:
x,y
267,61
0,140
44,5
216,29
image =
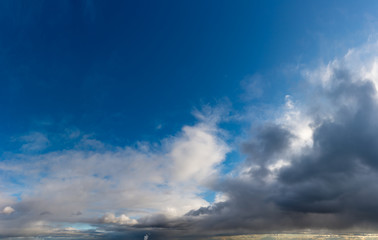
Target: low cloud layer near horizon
x,y
313,166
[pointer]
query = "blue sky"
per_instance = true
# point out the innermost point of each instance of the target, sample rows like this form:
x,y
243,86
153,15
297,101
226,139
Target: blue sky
x,y
123,117
135,65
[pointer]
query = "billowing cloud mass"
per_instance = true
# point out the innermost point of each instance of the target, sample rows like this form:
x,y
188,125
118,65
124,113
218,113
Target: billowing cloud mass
x,y
108,185
313,167
316,165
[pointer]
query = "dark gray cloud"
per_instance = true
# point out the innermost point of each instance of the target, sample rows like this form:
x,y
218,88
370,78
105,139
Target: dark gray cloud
x,y
315,167
286,186
343,160
271,141
329,184
215,209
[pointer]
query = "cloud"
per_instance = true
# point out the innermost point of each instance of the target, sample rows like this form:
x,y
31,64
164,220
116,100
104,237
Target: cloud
x,y
7,210
34,141
312,167
196,153
253,87
122,219
109,186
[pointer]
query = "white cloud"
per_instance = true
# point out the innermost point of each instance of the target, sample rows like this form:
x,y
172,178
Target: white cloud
x,y
196,154
7,210
122,219
301,116
34,141
143,180
220,197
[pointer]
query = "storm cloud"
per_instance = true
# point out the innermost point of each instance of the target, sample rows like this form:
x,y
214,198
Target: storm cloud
x,y
313,166
316,165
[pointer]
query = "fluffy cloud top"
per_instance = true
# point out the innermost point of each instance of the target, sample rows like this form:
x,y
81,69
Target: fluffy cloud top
x,y
116,185
122,219
313,166
7,210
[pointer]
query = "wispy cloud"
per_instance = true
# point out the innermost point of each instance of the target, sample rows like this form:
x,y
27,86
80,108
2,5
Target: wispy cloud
x,y
34,141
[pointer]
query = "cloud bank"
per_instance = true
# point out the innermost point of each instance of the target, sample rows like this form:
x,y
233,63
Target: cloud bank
x,y
313,167
95,184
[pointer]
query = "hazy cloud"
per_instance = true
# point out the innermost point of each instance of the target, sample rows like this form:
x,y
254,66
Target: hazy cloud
x,y
34,141
253,87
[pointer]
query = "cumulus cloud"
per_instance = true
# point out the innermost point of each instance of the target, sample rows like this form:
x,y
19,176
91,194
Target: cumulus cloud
x,y
196,153
312,167
122,219
7,210
118,185
315,165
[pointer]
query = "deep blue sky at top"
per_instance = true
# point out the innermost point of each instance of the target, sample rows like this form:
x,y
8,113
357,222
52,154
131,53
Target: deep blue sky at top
x,y
120,68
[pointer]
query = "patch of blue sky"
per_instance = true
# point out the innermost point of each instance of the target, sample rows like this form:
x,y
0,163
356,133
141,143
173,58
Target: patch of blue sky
x,y
78,226
233,159
17,180
130,71
209,196
127,76
17,195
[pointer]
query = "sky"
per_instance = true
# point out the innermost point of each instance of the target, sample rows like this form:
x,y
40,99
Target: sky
x,y
188,119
